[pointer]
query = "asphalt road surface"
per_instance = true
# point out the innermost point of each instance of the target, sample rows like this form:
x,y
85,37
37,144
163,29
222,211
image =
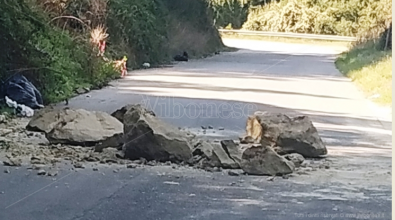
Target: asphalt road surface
x,y
222,91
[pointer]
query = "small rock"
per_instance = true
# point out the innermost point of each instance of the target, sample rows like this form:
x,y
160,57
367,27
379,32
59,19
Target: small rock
x,y
217,169
204,127
37,166
131,166
13,162
327,167
297,159
141,161
151,163
301,172
286,176
95,169
247,140
115,171
209,169
168,163
79,165
80,91
2,192
52,173
270,178
210,127
2,118
41,172
308,169
221,128
233,173
7,171
232,184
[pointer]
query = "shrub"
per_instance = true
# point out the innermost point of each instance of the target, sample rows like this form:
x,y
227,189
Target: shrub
x,y
338,17
229,12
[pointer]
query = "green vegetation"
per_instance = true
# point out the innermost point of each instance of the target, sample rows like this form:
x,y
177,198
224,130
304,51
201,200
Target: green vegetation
x,y
338,17
367,63
49,41
371,68
229,13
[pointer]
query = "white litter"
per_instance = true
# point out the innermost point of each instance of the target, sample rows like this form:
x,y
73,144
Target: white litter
x,y
171,183
23,110
146,65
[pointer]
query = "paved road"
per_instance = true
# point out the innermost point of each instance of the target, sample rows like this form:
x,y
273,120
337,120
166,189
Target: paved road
x,y
222,91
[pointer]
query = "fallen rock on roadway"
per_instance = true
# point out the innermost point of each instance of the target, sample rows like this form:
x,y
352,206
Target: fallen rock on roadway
x,y
215,155
263,160
135,133
76,126
297,159
149,137
291,135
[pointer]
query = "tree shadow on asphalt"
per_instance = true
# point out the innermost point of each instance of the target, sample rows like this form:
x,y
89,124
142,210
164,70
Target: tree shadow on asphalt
x,y
337,130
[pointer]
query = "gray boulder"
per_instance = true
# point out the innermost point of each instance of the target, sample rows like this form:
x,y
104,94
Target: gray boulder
x,y
75,126
148,137
263,160
215,155
291,135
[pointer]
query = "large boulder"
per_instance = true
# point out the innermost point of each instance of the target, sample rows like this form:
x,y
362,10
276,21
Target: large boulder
x,y
76,126
263,160
291,135
148,137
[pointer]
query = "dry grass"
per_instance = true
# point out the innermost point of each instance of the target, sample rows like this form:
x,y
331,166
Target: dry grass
x,y
371,69
98,34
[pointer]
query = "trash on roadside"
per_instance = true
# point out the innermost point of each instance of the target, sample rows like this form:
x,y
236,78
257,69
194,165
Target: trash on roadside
x,y
20,109
19,93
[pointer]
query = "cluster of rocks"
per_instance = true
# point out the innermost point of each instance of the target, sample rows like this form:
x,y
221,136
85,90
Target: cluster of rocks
x,y
275,144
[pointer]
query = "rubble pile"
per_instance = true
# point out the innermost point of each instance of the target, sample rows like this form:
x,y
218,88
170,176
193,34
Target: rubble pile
x,y
274,144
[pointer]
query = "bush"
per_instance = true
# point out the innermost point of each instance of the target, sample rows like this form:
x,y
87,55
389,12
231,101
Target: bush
x,y
338,17
49,40
370,67
229,12
47,56
141,27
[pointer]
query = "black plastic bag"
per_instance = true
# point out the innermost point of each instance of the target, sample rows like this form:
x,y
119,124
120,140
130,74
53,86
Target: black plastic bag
x,y
22,91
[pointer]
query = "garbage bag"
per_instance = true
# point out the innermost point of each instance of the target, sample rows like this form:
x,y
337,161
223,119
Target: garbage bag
x,y
20,109
22,91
